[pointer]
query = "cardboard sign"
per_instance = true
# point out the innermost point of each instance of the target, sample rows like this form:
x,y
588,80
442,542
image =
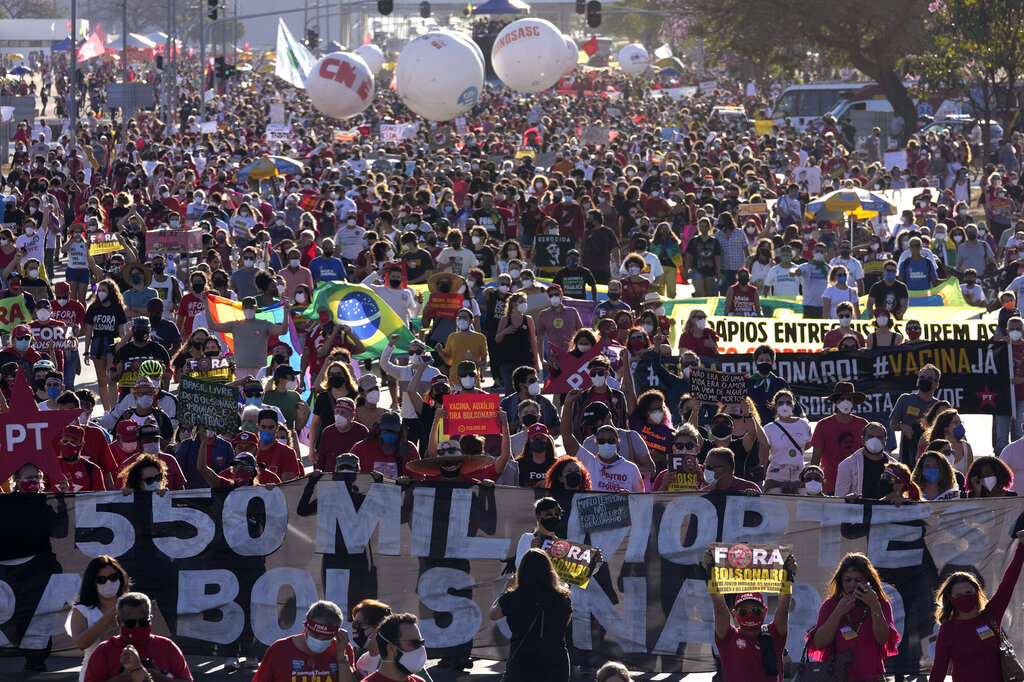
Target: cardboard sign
x,y
896,159
472,413
603,512
746,567
130,372
594,134
440,138
574,372
174,241
208,127
56,337
707,87
444,306
217,370
752,209
204,403
277,113
13,312
104,242
552,250
391,133
573,561
684,473
718,387
278,133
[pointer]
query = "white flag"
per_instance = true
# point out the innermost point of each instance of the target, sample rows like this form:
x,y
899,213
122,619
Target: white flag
x,y
663,52
294,61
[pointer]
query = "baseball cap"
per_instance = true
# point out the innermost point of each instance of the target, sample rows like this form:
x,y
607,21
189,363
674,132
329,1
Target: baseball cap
x,y
128,430
554,289
21,330
346,461
140,322
249,302
368,382
148,432
61,289
346,403
595,412
42,303
466,368
244,458
537,429
144,382
439,380
391,422
245,438
750,596
74,431
284,372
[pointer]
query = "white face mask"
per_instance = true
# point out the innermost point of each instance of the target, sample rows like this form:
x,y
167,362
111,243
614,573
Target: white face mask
x,y
819,256
634,270
463,324
1015,334
599,380
709,476
883,320
873,445
294,262
373,397
43,314
555,300
527,283
110,588
845,321
318,646
701,323
467,382
502,289
151,448
300,297
785,410
477,241
522,308
151,487
248,262
145,401
534,388
101,295
658,416
649,328
340,421
33,273
291,384
845,406
813,487
989,482
583,347
413,660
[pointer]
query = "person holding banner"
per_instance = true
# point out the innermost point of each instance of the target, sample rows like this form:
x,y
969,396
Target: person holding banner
x,y
315,653
751,652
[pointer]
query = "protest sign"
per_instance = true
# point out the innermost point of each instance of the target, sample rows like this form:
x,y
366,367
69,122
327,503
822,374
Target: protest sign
x,y
57,337
573,561
204,403
174,241
443,306
748,567
472,413
707,87
208,127
895,159
808,178
594,134
129,372
27,435
683,473
744,210
551,250
718,387
13,312
278,133
603,512
460,125
975,376
391,133
573,372
104,242
217,370
440,138
277,113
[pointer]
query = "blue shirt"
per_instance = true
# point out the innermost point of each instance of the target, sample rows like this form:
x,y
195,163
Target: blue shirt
x,y
327,269
134,298
917,274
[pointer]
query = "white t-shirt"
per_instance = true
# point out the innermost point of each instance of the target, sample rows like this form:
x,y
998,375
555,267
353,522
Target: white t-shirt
x,y
461,260
780,448
76,255
621,473
785,284
350,241
835,295
852,265
34,246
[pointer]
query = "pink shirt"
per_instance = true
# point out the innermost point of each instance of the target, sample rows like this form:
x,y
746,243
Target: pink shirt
x,y
559,326
293,279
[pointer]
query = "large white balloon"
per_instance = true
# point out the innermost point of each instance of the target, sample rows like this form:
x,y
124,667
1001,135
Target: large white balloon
x,y
439,76
465,38
633,59
574,55
373,56
340,85
529,55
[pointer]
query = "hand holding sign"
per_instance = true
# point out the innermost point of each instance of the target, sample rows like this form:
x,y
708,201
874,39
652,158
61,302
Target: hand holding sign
x,y
27,434
748,567
710,386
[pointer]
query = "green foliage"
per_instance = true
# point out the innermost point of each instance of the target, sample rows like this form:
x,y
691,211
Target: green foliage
x,y
28,9
636,27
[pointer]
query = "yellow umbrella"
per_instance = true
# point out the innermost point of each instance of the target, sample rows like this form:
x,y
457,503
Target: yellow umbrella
x,y
15,55
266,68
270,167
245,56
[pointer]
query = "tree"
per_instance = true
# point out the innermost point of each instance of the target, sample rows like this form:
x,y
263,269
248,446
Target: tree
x,y
641,27
873,37
977,47
28,9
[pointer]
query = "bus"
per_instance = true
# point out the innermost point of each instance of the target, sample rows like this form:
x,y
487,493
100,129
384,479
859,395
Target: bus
x,y
802,104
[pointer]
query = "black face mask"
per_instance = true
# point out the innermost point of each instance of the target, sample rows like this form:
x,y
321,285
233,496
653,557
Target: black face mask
x,y
140,335
336,381
220,283
743,279
198,345
721,430
764,368
529,420
198,288
158,269
536,445
884,487
573,479
211,353
40,384
359,638
280,359
550,523
614,295
924,385
155,320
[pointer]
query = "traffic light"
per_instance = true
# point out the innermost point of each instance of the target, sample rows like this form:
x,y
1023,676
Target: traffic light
x,y
581,6
593,14
220,68
159,62
385,7
312,38
425,9
212,4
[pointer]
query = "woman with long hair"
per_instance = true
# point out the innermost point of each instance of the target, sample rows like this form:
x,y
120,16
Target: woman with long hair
x,y
193,349
105,322
537,609
334,381
567,473
969,624
855,620
989,477
92,617
935,476
947,425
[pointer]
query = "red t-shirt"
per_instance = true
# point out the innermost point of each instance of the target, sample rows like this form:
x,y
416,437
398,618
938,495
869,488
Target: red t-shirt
x,y
315,340
372,458
105,662
96,449
741,656
837,442
71,314
691,342
190,306
175,478
280,459
378,677
856,636
334,442
81,475
284,662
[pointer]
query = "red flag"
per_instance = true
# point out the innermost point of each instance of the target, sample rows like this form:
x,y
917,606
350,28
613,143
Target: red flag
x,y
93,47
247,46
369,38
590,47
574,370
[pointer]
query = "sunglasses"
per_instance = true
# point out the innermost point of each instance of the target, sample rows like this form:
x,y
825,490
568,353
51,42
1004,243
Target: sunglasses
x,y
449,451
754,611
783,402
691,364
135,622
684,445
913,329
607,441
150,480
597,372
104,579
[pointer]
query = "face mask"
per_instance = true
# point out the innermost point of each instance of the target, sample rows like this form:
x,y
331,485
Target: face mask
x,y
463,324
634,270
873,445
959,431
958,238
151,487
924,385
52,392
109,589
813,487
467,382
1015,335
136,635
101,295
743,279
145,401
709,476
845,321
845,406
599,380
750,621
266,437
69,451
555,300
62,301
764,368
785,411
607,450
721,430
701,323
248,262
989,482
875,246
931,475
318,646
249,313
890,277
649,328
140,335
373,397
841,279
583,347
22,344
551,523
657,416
883,320
527,283
965,603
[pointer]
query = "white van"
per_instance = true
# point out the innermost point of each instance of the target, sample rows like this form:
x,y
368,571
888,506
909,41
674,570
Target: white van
x,y
868,108
802,104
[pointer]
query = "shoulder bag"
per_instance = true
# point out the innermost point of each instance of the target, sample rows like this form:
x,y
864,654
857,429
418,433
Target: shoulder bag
x,y
832,670
1008,663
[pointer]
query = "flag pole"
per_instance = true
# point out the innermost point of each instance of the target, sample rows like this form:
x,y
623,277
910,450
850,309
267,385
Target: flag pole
x,y
73,90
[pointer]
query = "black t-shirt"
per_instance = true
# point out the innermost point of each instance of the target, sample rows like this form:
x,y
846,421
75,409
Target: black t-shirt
x,y
703,254
530,473
485,260
166,333
888,296
574,282
872,475
106,320
416,263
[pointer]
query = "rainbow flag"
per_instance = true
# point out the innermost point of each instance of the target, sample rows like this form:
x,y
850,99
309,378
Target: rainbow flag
x,y
226,310
371,319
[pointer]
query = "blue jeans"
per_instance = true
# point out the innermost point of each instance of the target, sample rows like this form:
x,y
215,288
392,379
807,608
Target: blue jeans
x,y
728,279
1006,428
71,363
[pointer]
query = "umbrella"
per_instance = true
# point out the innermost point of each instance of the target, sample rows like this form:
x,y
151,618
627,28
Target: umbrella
x,y
270,167
267,68
243,67
20,71
15,56
669,63
502,7
855,202
671,72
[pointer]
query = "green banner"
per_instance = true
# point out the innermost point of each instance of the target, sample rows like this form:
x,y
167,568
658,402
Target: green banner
x,y
205,403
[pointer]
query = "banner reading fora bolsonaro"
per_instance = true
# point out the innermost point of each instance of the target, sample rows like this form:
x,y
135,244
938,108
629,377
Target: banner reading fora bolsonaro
x,y
796,335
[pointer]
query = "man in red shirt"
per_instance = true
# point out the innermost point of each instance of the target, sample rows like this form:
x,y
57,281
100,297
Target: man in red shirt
x,y
80,474
21,347
126,441
134,616
192,303
320,652
339,437
839,435
402,650
243,469
386,448
277,457
567,213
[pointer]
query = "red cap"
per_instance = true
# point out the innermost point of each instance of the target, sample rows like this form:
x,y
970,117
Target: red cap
x,y
750,596
554,288
21,330
743,270
536,430
245,437
62,289
75,431
438,380
128,430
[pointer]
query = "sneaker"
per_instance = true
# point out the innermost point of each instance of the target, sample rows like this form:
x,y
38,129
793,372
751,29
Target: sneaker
x,y
232,663
251,663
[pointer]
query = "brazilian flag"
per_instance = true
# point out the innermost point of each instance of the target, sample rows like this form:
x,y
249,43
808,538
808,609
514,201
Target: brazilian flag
x,y
371,320
467,12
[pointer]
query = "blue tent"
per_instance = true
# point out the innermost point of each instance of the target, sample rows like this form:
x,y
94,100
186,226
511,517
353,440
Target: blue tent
x,y
502,7
62,45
